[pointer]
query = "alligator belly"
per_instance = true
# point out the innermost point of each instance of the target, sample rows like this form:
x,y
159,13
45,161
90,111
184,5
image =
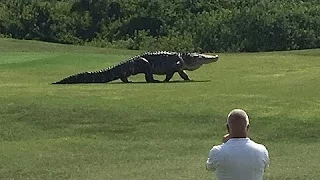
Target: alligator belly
x,y
163,70
159,72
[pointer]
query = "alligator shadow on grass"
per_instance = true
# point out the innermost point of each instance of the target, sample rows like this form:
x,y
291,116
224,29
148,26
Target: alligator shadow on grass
x,y
143,82
162,82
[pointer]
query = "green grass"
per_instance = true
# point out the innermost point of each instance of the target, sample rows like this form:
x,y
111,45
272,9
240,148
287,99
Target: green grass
x,y
151,131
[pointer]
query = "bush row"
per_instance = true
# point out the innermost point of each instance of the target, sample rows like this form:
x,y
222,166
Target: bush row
x,y
181,25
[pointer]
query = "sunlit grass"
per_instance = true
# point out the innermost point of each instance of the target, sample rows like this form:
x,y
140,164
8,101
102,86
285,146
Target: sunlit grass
x,y
151,131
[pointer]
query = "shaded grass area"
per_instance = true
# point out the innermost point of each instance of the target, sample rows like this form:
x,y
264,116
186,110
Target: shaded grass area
x,y
151,131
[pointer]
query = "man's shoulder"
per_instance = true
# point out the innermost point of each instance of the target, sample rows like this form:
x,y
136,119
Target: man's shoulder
x,y
216,148
258,146
215,151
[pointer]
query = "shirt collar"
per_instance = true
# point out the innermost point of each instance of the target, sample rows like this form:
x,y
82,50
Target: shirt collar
x,y
239,139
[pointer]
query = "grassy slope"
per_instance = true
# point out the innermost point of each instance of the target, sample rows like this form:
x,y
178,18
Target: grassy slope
x,y
151,131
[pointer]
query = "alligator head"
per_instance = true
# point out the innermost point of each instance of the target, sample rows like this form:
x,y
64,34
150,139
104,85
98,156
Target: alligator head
x,y
193,61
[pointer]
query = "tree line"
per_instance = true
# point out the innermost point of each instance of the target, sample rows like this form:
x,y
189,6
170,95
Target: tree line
x,y
181,25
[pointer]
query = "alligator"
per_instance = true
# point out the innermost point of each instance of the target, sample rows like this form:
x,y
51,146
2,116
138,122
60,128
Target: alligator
x,y
148,63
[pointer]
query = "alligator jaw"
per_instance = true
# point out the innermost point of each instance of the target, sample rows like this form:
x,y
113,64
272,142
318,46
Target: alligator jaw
x,y
193,61
206,59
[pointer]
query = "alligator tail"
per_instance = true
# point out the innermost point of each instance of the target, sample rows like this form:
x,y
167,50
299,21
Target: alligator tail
x,y
103,76
85,77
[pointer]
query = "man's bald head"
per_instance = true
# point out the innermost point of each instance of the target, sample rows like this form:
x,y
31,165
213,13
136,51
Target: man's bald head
x,y
238,120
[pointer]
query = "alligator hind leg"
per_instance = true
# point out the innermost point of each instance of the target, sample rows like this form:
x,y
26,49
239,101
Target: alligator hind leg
x,y
149,77
183,74
124,79
146,67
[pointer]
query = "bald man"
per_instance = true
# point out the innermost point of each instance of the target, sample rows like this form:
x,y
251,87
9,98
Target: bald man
x,y
238,157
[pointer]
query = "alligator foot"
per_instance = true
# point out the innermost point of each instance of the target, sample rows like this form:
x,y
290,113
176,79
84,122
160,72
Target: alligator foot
x,y
155,81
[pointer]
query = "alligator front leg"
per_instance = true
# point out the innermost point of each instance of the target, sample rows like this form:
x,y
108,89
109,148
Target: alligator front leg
x,y
183,74
169,76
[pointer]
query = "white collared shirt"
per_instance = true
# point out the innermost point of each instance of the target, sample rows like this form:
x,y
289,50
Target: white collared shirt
x,y
238,159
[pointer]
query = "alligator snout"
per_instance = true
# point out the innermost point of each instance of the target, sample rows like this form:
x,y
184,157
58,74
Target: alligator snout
x,y
209,58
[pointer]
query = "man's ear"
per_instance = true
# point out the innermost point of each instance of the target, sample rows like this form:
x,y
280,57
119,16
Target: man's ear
x,y
228,128
248,127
